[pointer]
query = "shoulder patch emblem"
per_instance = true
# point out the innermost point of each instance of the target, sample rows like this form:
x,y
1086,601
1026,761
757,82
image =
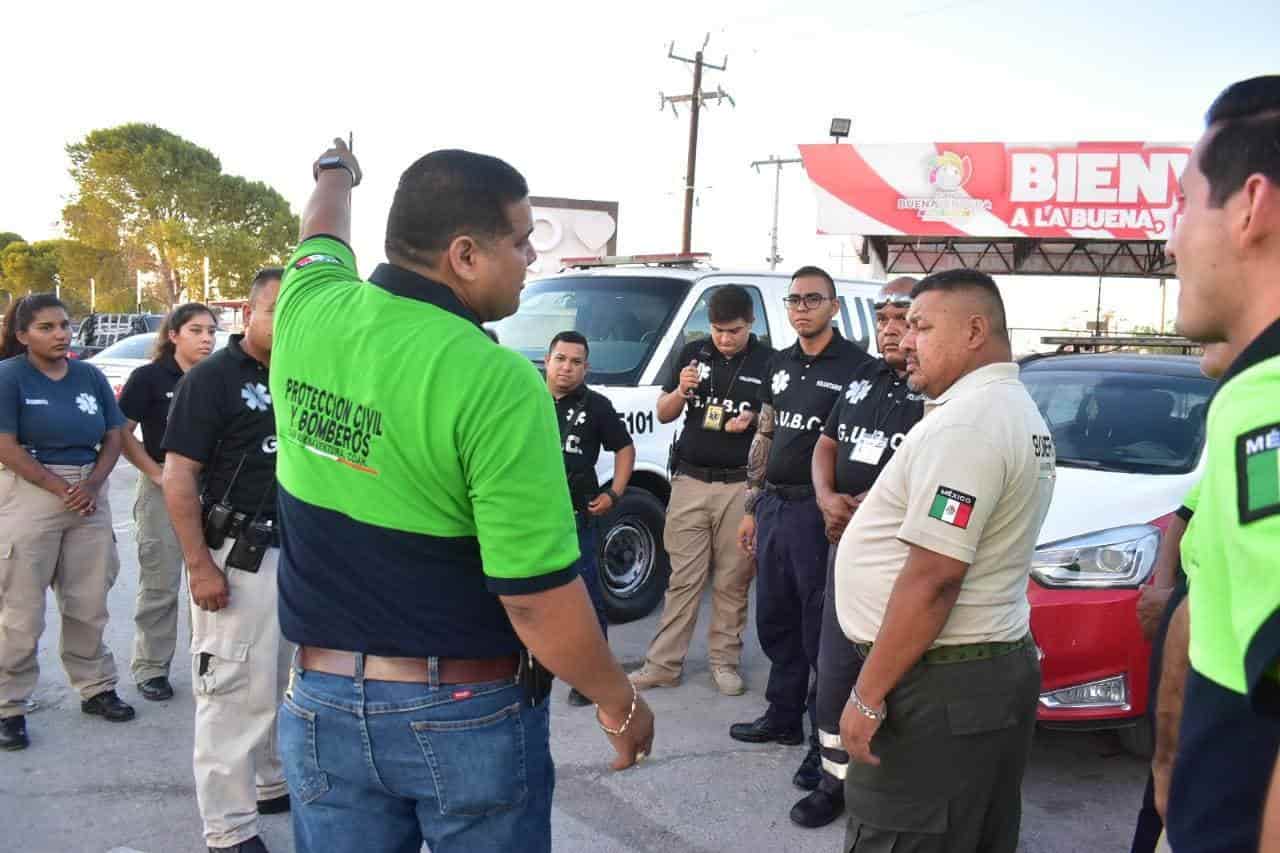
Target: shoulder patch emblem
x,y
316,259
1258,473
952,507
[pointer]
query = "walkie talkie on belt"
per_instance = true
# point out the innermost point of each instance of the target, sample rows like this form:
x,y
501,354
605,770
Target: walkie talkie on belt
x,y
218,517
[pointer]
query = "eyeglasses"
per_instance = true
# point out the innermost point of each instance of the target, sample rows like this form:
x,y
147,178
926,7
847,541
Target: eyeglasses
x,y
897,300
808,300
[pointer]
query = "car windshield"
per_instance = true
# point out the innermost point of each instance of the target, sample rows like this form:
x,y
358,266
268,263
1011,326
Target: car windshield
x,y
139,346
622,318
1135,422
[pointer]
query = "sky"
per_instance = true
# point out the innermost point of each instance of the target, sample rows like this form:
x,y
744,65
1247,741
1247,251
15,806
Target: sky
x,y
568,92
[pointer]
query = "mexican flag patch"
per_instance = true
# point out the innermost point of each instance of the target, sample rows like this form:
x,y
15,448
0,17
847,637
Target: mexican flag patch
x,y
952,507
1258,473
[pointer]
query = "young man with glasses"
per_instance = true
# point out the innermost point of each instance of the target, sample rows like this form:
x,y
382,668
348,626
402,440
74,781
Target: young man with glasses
x,y
784,528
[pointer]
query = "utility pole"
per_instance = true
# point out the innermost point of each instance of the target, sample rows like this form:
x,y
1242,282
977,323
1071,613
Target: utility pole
x,y
697,99
774,257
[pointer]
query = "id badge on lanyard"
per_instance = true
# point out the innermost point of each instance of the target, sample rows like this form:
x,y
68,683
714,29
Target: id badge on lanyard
x,y
869,449
714,418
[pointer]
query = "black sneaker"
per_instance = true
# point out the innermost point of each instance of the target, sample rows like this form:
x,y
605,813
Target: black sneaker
x,y
810,772
156,689
764,730
577,699
109,706
13,733
252,845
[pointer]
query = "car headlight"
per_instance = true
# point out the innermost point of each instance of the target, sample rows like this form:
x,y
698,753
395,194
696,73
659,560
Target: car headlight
x,y
1119,557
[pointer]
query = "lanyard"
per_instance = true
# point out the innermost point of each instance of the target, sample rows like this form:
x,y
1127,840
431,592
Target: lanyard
x,y
712,377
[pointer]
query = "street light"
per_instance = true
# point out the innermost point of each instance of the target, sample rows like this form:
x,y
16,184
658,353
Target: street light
x,y
840,128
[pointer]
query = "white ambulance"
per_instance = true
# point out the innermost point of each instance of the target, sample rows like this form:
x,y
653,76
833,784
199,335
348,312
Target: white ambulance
x,y
638,313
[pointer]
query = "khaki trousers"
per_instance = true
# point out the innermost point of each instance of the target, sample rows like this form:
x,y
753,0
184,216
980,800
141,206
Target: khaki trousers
x,y
239,671
43,545
702,541
155,614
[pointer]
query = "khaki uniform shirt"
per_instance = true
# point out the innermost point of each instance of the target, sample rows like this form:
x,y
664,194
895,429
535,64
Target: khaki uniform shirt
x,y
972,481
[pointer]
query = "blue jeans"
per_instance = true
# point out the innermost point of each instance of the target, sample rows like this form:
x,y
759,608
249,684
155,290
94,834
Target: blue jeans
x,y
383,766
588,568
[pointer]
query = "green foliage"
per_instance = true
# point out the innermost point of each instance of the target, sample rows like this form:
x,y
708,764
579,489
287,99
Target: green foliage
x,y
7,237
147,199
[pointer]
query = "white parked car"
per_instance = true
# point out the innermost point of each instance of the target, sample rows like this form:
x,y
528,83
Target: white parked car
x,y
119,360
637,317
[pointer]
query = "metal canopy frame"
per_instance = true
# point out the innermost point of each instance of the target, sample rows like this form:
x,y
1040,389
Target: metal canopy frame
x,y
1021,256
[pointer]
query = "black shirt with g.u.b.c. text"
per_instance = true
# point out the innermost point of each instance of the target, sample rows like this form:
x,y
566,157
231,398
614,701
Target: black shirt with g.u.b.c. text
x,y
735,385
802,389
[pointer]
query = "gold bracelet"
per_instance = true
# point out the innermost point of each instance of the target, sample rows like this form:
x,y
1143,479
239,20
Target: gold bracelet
x,y
625,723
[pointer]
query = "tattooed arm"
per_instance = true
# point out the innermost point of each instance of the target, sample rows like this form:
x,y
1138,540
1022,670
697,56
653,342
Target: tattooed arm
x,y
756,459
758,456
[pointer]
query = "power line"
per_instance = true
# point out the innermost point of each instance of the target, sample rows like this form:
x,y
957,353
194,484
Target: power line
x,y
697,100
774,258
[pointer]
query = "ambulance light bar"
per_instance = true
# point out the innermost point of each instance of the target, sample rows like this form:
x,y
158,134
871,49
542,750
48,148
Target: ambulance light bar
x,y
668,259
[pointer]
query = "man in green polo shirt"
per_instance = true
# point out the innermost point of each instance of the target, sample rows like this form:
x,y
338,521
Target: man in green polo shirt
x,y
1227,247
427,535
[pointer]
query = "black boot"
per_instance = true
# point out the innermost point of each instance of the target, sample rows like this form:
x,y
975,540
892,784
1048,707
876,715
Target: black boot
x,y
13,733
108,706
156,689
819,808
810,772
764,730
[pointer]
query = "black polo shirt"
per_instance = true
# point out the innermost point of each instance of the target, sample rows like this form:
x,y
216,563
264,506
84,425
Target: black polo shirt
x,y
803,389
146,399
876,406
222,417
736,385
588,421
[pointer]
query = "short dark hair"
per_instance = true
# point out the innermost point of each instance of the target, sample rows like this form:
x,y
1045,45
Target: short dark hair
x,y
569,337
1247,137
730,302
19,318
951,281
446,194
260,280
173,322
818,272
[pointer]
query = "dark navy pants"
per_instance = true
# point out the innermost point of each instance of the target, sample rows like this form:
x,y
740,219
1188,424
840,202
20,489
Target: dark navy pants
x,y
588,567
791,575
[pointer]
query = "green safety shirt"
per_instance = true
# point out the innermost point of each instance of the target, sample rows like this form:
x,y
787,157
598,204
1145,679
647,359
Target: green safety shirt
x,y
1231,551
419,466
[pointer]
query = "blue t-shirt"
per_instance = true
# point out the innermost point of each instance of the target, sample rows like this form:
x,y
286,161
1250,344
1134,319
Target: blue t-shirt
x,y
58,423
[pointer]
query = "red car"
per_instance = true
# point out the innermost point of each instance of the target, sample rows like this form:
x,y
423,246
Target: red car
x,y
1129,435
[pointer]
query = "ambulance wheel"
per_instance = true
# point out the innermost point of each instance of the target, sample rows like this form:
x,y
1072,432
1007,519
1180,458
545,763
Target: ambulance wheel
x,y
633,562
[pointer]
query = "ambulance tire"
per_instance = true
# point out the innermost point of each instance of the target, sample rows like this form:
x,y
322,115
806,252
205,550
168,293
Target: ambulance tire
x,y
634,567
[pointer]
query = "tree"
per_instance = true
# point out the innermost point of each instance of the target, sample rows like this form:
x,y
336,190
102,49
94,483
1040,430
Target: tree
x,y
162,204
7,237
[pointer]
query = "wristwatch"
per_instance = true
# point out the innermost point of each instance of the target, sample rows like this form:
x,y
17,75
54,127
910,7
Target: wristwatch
x,y
333,161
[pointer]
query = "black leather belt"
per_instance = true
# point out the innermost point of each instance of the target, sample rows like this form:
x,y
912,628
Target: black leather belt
x,y
712,475
789,493
240,519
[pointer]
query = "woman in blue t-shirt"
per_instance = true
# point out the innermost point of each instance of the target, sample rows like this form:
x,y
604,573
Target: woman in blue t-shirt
x,y
185,338
59,439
